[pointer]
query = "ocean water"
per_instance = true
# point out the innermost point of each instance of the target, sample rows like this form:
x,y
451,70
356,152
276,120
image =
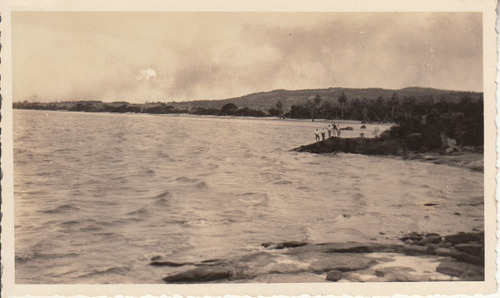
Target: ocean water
x,y
98,195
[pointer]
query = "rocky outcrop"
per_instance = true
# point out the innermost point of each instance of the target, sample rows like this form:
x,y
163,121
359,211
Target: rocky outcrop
x,y
460,257
369,146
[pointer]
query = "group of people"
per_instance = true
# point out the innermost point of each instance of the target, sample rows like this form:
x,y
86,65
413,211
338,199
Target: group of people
x,y
333,131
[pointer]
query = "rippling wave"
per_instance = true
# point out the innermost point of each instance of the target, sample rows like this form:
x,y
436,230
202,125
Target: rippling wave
x,y
96,200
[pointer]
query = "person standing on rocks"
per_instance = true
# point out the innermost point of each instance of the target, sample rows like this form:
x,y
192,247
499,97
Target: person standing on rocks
x,y
323,133
334,129
317,134
338,130
330,130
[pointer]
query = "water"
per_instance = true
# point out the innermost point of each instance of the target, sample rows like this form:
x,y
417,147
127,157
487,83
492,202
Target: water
x,y
98,195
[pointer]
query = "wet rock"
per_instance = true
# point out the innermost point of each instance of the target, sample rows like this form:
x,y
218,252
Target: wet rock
x,y
397,273
471,248
429,239
341,262
447,244
282,245
347,128
334,275
349,248
464,257
431,248
168,263
462,270
414,250
464,237
353,247
200,274
460,256
414,236
369,146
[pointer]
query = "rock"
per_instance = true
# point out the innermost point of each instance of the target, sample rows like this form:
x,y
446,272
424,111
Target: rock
x,y
413,236
409,241
464,237
282,245
470,248
292,244
461,256
168,263
363,126
334,275
465,257
447,252
340,262
414,250
429,239
200,274
349,248
431,248
462,270
347,128
447,244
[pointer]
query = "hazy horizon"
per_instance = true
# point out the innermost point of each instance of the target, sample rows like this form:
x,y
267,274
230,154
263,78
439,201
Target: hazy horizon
x,y
37,99
187,56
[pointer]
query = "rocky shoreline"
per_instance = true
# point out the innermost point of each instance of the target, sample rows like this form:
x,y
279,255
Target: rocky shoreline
x,y
414,257
468,157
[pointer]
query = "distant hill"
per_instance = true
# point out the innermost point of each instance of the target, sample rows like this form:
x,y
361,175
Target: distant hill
x,y
266,100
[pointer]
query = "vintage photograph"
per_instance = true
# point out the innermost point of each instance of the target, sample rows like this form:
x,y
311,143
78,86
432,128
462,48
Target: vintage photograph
x,y
206,147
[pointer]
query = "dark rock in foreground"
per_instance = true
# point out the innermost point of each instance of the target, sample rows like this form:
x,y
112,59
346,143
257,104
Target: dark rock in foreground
x,y
334,275
462,270
201,274
292,261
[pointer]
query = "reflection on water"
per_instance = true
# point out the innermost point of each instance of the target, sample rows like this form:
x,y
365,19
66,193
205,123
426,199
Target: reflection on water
x,y
97,195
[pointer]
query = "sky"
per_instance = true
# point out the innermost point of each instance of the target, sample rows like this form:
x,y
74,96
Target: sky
x,y
179,56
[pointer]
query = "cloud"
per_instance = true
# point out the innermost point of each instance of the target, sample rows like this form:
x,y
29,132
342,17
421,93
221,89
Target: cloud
x,y
146,74
185,56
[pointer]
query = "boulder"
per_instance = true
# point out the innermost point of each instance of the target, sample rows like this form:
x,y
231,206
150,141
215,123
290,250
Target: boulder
x,y
282,245
200,274
461,256
464,237
471,248
334,275
429,239
462,270
340,262
168,263
414,250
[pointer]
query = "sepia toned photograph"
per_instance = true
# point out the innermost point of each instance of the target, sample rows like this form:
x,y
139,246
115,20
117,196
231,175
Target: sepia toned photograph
x,y
250,147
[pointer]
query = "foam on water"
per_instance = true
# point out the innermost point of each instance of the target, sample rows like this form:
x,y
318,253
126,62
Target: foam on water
x,y
108,192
